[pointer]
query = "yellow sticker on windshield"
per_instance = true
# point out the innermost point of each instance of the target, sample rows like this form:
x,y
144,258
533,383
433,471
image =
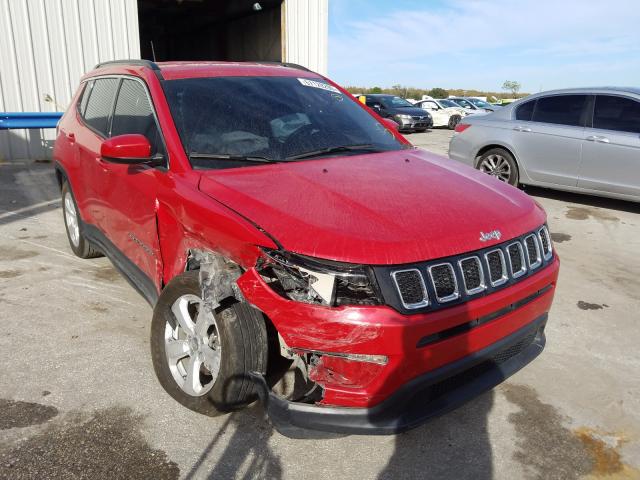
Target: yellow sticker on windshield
x,y
321,85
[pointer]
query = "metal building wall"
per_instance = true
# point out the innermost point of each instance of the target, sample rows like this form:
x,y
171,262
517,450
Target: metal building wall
x,y
45,47
305,30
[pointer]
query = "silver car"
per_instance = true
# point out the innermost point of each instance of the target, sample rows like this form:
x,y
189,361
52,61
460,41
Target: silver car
x,y
583,140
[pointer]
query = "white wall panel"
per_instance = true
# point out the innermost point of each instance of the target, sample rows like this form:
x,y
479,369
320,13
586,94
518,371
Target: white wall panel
x,y
45,47
305,32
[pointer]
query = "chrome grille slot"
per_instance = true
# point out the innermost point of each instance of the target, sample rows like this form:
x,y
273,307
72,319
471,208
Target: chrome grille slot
x,y
545,241
497,267
472,275
410,285
533,251
444,282
516,260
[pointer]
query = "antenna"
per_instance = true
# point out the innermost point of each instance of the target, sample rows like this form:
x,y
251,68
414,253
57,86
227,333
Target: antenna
x,y
153,52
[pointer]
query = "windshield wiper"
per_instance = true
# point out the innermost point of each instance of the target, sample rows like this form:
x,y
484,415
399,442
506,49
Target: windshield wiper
x,y
233,158
342,148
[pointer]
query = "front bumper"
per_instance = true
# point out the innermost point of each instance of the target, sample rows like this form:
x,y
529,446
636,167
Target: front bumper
x,y
427,396
412,125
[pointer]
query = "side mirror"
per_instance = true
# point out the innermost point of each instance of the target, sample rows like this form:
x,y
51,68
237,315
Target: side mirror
x,y
390,124
129,149
377,106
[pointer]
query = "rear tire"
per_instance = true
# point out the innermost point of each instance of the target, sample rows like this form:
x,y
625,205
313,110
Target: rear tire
x,y
453,121
72,223
499,163
229,347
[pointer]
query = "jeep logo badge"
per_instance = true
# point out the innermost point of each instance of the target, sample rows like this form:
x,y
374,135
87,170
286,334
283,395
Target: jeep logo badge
x,y
485,237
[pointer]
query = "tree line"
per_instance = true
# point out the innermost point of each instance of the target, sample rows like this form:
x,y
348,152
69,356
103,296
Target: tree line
x,y
511,91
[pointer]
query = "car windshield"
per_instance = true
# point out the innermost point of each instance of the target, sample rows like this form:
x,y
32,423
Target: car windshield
x,y
480,103
448,104
226,122
395,102
463,103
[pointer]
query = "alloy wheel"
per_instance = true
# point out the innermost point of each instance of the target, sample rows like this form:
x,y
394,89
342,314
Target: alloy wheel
x,y
71,218
496,166
192,346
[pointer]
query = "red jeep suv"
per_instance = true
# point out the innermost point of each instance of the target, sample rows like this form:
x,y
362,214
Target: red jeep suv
x,y
277,225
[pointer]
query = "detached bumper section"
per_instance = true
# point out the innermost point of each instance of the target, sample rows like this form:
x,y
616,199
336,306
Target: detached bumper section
x,y
425,397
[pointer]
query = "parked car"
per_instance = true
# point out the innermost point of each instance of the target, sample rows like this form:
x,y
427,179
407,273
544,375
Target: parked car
x,y
444,113
583,140
409,117
270,219
474,105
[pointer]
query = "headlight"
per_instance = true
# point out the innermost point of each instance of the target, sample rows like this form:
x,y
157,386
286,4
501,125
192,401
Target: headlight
x,y
403,117
323,282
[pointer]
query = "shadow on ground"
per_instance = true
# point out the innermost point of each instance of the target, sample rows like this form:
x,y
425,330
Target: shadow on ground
x,y
28,189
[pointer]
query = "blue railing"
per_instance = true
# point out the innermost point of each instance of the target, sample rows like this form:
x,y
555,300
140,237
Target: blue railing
x,y
16,120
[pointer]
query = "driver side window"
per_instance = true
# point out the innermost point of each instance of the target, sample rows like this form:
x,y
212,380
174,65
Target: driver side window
x,y
133,114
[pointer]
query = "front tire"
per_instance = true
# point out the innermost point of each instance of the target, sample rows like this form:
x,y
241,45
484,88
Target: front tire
x,y
72,221
202,359
499,163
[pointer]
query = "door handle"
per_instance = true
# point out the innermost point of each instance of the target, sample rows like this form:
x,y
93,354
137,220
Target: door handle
x,y
597,138
521,129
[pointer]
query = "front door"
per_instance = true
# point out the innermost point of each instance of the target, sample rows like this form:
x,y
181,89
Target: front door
x,y
130,191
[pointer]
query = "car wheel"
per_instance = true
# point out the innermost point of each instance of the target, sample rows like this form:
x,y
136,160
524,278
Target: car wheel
x,y
203,359
72,221
453,121
499,163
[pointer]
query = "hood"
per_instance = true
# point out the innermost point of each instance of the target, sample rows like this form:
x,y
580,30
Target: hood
x,y
385,208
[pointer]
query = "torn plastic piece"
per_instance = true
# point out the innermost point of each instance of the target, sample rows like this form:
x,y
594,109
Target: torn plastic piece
x,y
217,278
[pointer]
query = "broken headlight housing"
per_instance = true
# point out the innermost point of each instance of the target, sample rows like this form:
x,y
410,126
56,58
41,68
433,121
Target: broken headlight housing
x,y
323,282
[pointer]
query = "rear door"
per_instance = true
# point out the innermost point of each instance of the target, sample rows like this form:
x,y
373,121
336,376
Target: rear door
x,y
548,145
611,147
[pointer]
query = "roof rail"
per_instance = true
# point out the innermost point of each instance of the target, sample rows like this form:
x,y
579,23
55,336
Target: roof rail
x,y
283,64
132,62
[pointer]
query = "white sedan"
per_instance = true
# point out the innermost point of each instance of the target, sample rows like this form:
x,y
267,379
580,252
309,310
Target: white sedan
x,y
445,113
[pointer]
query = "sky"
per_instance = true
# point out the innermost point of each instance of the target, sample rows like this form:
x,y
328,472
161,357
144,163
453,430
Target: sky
x,y
478,44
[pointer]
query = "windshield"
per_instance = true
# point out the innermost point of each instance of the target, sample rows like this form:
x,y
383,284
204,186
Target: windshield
x,y
463,103
395,102
448,104
480,103
273,118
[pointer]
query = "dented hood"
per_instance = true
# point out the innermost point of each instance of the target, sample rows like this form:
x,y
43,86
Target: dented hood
x,y
385,208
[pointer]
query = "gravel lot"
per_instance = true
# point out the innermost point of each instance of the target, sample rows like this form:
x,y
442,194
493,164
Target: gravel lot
x,y
79,398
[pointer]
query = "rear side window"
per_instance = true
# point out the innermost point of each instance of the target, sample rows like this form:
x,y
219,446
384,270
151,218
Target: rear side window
x,y
134,114
525,111
616,113
85,96
560,109
100,104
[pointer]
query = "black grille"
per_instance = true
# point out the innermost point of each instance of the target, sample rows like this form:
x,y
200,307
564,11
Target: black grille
x,y
496,266
410,286
444,280
449,384
532,251
515,257
514,350
471,273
